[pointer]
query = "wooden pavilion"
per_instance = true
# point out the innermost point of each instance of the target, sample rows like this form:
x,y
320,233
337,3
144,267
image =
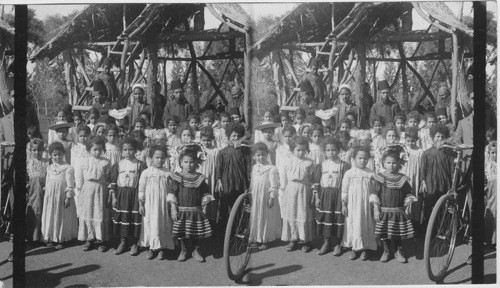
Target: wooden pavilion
x,y
135,33
342,33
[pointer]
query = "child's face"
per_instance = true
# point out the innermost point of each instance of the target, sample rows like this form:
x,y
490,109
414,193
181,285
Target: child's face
x,y
352,119
291,114
287,137
377,127
208,122
235,136
57,156
82,137
439,139
391,137
493,154
172,127
78,120
100,131
365,142
411,142
344,127
96,150
128,151
193,123
160,141
299,119
145,117
361,159
331,152
326,123
443,119
112,136
260,157
159,158
400,124
93,119
224,121
267,134
139,126
413,122
188,164
391,164
206,141
60,116
316,136
431,122
344,95
285,121
62,133
267,117
305,132
300,151
32,135
186,136
236,118
36,151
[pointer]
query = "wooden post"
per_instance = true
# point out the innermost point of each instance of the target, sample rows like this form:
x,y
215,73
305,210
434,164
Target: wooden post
x,y
123,67
194,79
152,70
68,75
454,78
374,82
359,71
248,76
283,76
276,76
404,103
290,69
165,85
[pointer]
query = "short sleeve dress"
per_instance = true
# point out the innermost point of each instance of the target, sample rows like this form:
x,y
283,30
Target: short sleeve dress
x,y
37,173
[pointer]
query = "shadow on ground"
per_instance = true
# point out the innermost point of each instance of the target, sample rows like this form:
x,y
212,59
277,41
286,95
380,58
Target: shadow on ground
x,y
47,278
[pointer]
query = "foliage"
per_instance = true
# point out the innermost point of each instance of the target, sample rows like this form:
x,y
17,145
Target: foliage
x,y
46,86
36,29
491,27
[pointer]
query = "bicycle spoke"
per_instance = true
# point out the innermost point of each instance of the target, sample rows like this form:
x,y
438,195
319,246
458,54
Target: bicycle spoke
x,y
442,239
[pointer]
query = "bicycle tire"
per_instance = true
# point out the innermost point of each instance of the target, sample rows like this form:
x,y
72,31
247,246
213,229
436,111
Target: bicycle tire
x,y
236,245
444,220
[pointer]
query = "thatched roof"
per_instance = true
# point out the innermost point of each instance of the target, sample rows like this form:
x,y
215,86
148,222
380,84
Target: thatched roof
x,y
146,23
311,22
7,32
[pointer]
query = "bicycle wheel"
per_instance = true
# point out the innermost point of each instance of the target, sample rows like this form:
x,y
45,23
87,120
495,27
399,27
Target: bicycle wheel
x,y
440,237
236,245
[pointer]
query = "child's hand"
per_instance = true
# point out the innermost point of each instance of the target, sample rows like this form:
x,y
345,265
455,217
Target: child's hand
x,y
423,188
174,214
344,210
407,210
317,202
219,186
66,202
114,202
142,210
376,215
270,203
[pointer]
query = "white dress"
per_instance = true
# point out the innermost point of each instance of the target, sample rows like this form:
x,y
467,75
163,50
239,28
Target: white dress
x,y
78,154
113,154
296,180
359,230
157,223
316,154
265,224
411,169
59,223
207,168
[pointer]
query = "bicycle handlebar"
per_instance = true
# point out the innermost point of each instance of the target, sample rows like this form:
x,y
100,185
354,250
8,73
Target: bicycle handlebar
x,y
458,147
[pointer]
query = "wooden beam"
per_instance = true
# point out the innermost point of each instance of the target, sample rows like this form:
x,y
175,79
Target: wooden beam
x,y
360,73
454,79
152,72
248,78
212,80
205,35
138,71
290,69
110,43
123,66
223,98
412,36
218,56
422,83
404,79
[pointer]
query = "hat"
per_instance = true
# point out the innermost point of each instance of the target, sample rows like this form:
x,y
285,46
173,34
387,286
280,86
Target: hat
x,y
382,85
176,84
138,85
469,85
346,86
267,126
305,86
99,86
234,111
61,125
441,111
107,62
326,114
313,120
315,63
119,114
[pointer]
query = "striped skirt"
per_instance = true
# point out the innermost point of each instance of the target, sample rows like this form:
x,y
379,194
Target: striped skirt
x,y
329,218
191,223
126,216
395,224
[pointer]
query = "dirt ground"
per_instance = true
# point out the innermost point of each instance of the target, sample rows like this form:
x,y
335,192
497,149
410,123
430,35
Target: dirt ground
x,y
72,267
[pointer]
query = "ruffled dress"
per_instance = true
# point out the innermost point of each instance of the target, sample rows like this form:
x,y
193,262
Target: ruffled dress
x,y
37,173
265,223
191,193
92,180
393,193
157,223
296,179
125,181
359,230
329,217
59,223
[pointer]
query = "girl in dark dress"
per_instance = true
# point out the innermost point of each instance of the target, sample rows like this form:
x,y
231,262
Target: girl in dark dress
x,y
392,195
125,200
189,193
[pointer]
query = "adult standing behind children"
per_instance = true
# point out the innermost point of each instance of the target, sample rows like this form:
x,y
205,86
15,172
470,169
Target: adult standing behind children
x,y
345,105
138,102
159,101
179,106
384,107
109,81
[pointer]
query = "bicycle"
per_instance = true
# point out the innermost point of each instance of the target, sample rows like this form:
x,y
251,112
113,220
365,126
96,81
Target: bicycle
x,y
237,247
445,222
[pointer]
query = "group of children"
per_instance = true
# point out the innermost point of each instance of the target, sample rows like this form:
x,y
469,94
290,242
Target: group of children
x,y
309,178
